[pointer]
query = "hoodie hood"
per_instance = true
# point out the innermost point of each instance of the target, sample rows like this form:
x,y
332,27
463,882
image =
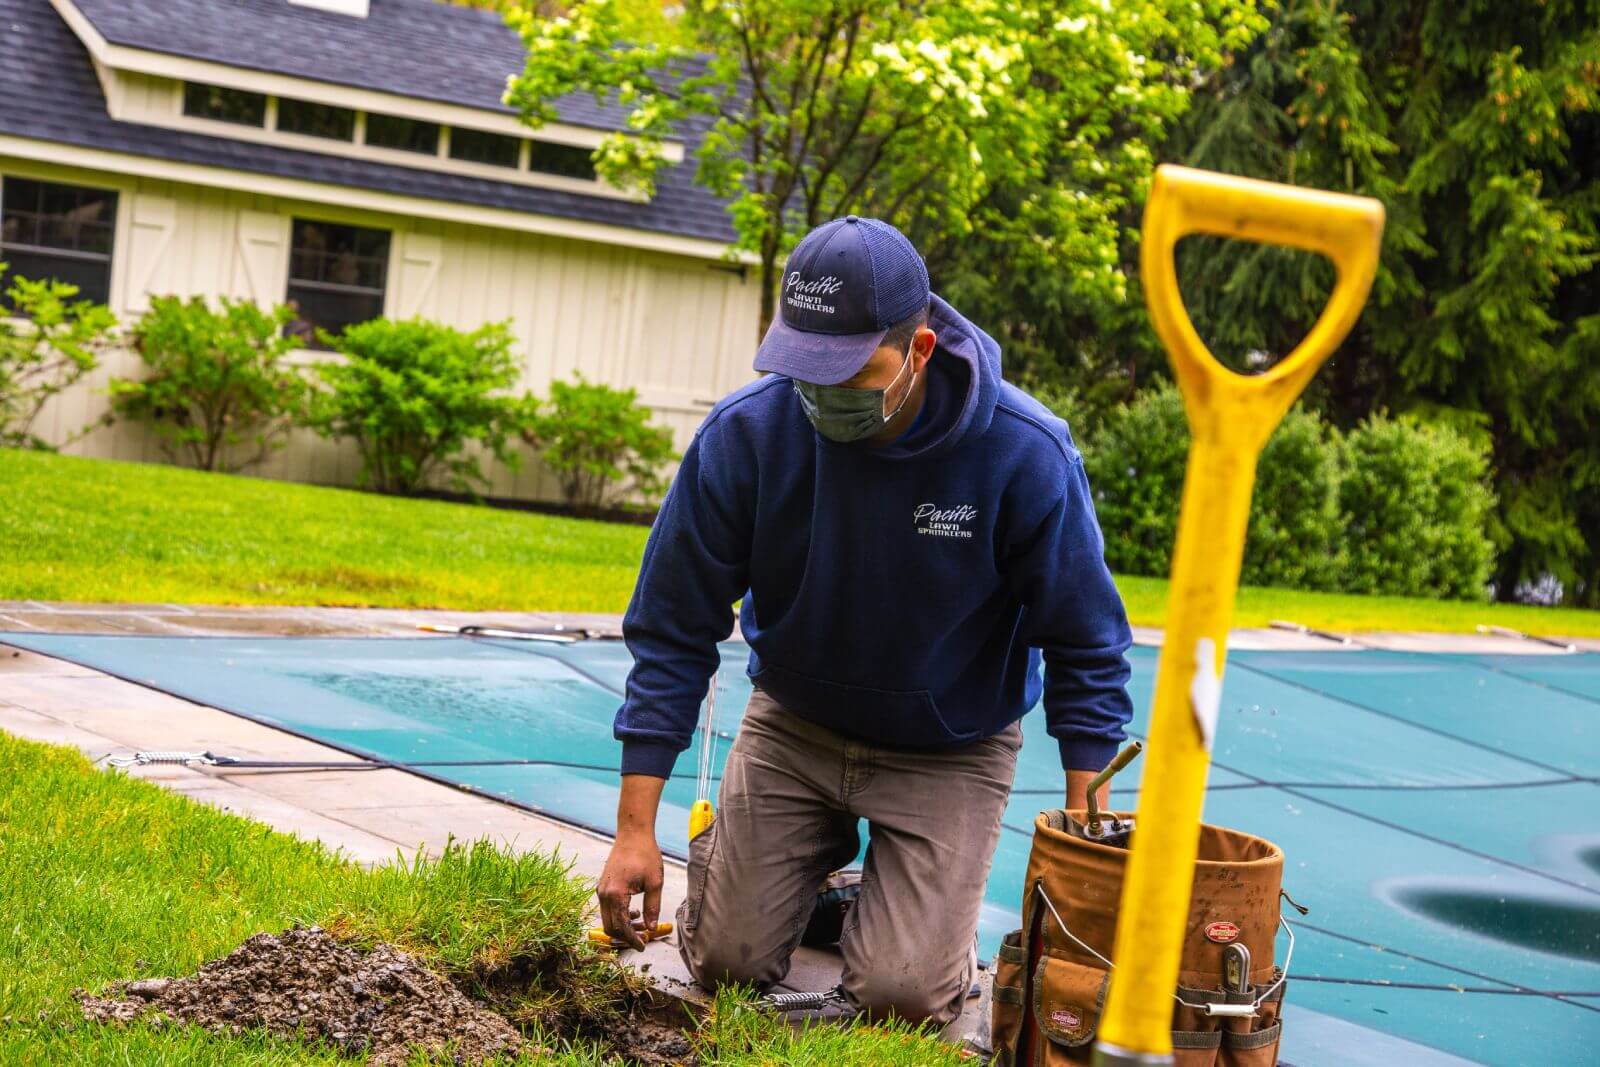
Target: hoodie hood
x,y
963,387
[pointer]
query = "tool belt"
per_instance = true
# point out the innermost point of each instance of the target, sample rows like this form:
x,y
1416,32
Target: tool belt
x,y
1050,979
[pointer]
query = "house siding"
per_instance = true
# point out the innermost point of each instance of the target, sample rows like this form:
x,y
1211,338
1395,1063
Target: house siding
x,y
679,330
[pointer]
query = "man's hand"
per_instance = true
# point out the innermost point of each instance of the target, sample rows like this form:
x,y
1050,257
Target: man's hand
x,y
634,865
1078,791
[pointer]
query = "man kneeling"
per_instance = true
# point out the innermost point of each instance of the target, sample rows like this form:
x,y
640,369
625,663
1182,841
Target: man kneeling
x,y
908,533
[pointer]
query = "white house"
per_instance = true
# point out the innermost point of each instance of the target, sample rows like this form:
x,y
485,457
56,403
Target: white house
x,y
351,156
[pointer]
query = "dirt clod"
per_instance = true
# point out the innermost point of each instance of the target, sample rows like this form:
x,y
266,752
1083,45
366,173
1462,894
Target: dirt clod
x,y
382,1003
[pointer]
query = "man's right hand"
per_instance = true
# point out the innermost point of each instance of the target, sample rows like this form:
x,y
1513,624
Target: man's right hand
x,y
634,865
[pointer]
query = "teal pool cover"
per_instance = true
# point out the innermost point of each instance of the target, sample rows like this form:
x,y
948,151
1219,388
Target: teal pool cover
x,y
1440,813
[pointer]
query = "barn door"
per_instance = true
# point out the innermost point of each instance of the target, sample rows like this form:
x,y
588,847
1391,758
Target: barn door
x,y
152,222
261,258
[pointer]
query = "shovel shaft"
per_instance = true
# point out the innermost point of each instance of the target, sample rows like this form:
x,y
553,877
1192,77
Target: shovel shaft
x,y
1230,418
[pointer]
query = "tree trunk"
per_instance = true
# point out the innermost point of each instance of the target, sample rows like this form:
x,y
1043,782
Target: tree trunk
x,y
769,288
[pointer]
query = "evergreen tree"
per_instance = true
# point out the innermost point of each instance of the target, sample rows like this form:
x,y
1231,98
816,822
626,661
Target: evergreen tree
x,y
1476,124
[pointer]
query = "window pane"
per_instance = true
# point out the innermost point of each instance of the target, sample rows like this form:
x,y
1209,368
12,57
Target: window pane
x,y
316,120
407,135
224,105
475,146
332,311
565,160
91,276
336,276
50,230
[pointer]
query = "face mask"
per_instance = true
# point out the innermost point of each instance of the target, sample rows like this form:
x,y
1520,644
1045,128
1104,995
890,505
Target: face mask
x,y
844,414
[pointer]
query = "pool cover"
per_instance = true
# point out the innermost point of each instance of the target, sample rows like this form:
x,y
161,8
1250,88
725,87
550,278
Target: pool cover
x,y
1439,812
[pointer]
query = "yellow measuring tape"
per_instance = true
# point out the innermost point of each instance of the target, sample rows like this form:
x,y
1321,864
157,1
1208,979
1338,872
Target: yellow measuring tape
x,y
1230,418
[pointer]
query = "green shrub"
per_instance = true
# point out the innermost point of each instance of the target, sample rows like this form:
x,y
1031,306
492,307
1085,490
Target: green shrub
x,y
1415,507
48,342
217,380
1135,465
600,444
1066,403
414,395
1294,513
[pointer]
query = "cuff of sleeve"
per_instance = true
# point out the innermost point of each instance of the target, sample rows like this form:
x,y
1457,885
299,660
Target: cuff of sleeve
x,y
652,758
1086,753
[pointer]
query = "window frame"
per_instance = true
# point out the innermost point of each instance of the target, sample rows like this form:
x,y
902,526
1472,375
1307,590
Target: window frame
x,y
521,171
487,137
432,150
106,259
267,101
354,118
305,329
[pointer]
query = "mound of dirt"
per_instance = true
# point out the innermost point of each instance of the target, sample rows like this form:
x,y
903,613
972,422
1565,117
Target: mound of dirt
x,y
383,1003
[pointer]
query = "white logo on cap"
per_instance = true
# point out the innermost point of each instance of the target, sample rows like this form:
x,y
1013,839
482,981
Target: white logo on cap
x,y
807,296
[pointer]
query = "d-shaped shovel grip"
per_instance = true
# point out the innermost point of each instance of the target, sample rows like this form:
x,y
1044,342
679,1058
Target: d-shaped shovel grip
x,y
1230,416
1346,229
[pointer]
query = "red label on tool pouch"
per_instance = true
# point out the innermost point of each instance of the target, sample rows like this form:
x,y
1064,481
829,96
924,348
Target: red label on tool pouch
x,y
1222,932
1067,1020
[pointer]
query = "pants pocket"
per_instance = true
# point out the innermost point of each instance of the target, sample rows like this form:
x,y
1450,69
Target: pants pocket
x,y
1010,974
701,852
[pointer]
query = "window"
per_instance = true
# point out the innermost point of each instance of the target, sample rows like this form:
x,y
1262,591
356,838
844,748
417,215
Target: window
x,y
565,160
58,231
336,277
224,105
406,135
475,146
316,120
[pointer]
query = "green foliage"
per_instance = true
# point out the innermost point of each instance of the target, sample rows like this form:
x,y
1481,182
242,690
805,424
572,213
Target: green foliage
x,y
1413,510
48,342
600,443
1293,538
1398,507
1135,465
217,379
415,395
989,132
1067,404
1478,126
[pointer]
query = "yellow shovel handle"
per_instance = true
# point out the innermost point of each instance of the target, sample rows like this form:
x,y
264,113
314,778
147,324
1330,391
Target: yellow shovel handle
x,y
1184,201
1230,418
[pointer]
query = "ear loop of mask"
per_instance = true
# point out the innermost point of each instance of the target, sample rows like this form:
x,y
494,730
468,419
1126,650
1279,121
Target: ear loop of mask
x,y
888,418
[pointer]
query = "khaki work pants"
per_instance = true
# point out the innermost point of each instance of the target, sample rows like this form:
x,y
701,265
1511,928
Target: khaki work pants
x,y
792,794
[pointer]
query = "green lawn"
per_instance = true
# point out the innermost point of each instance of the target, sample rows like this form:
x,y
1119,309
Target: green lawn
x,y
103,877
94,530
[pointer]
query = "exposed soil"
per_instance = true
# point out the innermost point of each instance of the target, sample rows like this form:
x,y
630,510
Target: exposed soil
x,y
383,1004
653,1039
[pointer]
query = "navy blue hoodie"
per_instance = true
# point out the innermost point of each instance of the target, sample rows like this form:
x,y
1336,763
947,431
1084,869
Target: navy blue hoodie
x,y
899,594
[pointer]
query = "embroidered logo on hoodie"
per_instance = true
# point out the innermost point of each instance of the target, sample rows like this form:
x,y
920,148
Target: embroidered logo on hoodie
x,y
950,522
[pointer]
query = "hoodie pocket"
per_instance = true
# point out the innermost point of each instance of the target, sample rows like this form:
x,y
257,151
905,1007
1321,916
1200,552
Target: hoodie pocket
x,y
893,718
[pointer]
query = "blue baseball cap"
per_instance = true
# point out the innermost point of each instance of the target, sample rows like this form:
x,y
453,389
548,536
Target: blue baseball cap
x,y
845,284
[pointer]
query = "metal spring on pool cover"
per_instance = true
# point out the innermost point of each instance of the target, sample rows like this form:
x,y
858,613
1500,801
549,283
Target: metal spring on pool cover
x,y
803,1001
141,759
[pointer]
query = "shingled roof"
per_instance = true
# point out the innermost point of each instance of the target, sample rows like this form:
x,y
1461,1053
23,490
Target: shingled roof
x,y
420,48
50,93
